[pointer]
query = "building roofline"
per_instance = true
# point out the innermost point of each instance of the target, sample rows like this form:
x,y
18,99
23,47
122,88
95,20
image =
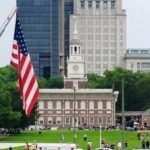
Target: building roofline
x,y
77,91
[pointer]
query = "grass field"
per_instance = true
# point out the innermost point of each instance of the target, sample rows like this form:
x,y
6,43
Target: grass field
x,y
48,136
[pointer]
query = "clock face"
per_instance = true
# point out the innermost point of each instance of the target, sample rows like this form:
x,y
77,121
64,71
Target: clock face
x,y
75,67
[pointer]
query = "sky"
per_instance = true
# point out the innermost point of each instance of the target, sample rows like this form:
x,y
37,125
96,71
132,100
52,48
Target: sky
x,y
6,39
138,26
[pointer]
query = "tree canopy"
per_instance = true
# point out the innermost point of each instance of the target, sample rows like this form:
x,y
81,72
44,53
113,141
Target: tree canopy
x,y
136,87
8,116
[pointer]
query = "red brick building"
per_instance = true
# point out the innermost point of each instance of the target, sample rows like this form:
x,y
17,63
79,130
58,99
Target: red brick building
x,y
88,107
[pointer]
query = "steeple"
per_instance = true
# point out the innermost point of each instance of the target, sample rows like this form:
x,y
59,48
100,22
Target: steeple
x,y
75,39
75,61
75,33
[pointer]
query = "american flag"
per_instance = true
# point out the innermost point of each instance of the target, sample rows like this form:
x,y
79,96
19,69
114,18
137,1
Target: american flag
x,y
20,59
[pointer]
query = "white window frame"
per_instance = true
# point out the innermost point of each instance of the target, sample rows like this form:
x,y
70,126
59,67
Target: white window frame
x,y
41,104
50,105
67,105
58,104
91,104
108,105
82,104
100,105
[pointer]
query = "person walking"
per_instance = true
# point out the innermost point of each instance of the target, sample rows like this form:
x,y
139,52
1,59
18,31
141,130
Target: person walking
x,y
119,145
147,144
143,144
125,145
89,145
62,138
26,146
85,137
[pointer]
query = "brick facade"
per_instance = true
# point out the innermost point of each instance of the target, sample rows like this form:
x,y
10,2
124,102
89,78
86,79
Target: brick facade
x,y
93,107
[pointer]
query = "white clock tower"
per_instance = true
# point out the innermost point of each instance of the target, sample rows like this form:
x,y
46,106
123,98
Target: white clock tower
x,y
75,62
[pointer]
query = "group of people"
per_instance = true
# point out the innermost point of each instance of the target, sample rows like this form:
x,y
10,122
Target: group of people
x,y
104,144
145,141
30,147
145,144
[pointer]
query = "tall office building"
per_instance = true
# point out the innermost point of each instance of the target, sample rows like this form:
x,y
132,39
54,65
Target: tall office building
x,y
46,29
101,25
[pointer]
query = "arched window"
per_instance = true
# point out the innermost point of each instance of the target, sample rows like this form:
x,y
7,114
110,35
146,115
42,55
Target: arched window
x,y
75,50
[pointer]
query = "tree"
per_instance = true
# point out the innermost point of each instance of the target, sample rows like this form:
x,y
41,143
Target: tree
x,y
8,117
8,74
55,82
142,96
114,78
12,114
42,82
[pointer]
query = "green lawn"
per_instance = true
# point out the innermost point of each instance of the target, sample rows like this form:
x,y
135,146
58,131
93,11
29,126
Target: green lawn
x,y
93,136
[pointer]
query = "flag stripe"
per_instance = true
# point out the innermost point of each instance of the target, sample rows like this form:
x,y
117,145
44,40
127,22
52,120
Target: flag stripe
x,y
31,95
28,80
14,64
24,66
32,102
15,46
20,59
30,87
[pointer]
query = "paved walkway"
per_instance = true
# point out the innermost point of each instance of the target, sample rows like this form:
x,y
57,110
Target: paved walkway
x,y
7,145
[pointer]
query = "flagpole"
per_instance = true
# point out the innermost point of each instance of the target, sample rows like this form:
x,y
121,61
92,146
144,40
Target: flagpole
x,y
74,130
100,136
123,117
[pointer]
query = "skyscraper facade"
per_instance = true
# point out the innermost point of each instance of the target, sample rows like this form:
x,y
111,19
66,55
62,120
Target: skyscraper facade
x,y
101,25
46,29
